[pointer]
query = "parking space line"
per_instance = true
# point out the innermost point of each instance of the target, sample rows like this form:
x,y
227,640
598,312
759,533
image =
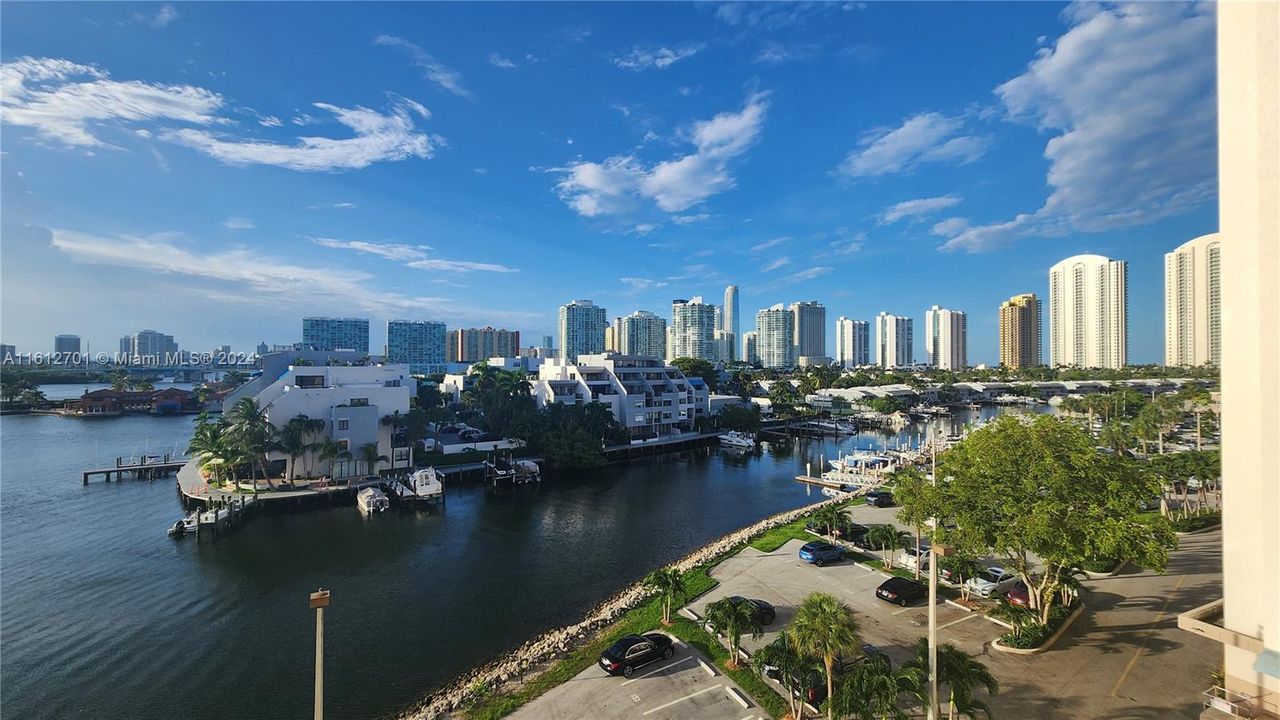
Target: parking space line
x,y
677,701
905,609
957,622
664,667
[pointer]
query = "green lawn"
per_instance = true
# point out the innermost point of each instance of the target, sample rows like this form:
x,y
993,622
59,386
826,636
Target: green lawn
x,y
773,539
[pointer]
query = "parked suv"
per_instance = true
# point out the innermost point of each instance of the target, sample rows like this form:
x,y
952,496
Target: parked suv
x,y
764,611
879,498
820,553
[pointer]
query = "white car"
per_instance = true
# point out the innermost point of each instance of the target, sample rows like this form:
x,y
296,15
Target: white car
x,y
990,581
911,558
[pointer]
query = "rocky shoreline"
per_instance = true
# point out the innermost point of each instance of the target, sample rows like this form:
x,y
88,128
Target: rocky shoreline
x,y
532,658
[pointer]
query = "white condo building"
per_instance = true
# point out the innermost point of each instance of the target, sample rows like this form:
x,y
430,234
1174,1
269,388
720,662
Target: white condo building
x,y
853,342
648,397
774,341
750,348
730,321
1089,312
809,329
582,325
946,338
643,333
1193,303
894,341
693,330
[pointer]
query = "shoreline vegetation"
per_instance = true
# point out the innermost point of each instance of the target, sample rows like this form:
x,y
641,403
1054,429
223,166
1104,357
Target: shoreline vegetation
x,y
501,686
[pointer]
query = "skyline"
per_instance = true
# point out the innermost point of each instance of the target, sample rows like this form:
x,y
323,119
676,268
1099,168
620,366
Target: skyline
x,y
871,158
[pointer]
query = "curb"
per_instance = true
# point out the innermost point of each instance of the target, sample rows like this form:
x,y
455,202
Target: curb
x,y
1201,531
1047,644
1114,571
955,604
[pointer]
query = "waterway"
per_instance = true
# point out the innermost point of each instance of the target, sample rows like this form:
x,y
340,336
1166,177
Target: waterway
x,y
104,616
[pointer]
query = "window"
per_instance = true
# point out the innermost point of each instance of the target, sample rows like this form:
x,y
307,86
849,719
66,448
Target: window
x,y
359,402
344,443
343,424
309,381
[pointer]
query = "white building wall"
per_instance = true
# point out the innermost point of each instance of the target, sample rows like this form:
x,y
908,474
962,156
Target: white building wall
x,y
774,337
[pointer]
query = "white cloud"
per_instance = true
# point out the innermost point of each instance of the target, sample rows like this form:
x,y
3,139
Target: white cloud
x,y
917,208
950,226
769,243
480,171
67,102
255,277
377,137
617,183
774,15
778,263
776,53
923,138
414,256
270,121
644,229
1128,94
848,244
335,206
661,58
238,223
432,69
164,16
690,219
810,273
500,61
637,283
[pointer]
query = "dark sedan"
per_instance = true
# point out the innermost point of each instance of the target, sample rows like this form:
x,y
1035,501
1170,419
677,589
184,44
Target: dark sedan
x,y
765,613
633,651
900,590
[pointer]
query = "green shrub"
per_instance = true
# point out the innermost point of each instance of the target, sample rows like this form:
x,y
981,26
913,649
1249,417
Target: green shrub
x,y
1033,635
1192,523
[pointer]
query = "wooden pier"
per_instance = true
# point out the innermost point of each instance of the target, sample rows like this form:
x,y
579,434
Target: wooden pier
x,y
143,469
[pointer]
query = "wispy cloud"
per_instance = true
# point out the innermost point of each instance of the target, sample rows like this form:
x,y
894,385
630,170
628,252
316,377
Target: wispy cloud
x,y
810,273
660,58
499,61
378,137
776,53
643,229
238,223
775,15
776,264
638,283
617,183
1110,169
690,219
414,256
249,275
918,208
68,102
848,244
165,15
432,69
924,138
769,243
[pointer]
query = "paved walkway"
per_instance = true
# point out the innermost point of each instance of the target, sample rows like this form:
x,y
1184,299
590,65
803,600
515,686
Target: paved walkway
x,y
1125,657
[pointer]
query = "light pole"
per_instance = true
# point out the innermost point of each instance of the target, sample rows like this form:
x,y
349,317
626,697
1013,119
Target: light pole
x,y
319,601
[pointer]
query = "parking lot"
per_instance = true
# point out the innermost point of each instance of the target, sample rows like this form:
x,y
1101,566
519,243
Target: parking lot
x,y
781,578
687,685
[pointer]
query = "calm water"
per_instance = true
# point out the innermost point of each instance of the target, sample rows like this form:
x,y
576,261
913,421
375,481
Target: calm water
x,y
104,616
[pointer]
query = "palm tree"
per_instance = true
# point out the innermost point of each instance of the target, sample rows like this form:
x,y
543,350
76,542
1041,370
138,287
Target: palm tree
x,y
209,445
733,619
369,454
251,430
669,582
872,690
889,539
827,516
330,451
792,667
1116,435
824,627
963,674
292,441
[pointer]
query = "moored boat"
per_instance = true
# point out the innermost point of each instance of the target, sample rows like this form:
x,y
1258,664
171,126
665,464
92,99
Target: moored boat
x,y
188,524
371,500
736,439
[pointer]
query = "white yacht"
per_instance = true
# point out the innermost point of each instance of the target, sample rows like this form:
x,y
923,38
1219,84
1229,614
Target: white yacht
x,y
736,439
371,500
426,484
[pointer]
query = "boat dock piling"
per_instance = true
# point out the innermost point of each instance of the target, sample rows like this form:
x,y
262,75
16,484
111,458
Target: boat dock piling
x,y
144,468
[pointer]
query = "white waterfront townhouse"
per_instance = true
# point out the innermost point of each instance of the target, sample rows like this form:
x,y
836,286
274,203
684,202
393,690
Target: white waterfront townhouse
x,y
648,397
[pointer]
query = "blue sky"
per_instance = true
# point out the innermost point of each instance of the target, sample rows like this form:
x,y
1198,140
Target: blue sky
x,y
218,171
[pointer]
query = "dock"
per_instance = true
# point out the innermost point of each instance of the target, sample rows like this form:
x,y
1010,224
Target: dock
x,y
142,469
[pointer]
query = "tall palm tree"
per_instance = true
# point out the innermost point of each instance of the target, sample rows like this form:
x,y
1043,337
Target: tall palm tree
x,y
962,674
827,516
792,666
1116,435
824,627
369,454
292,441
873,689
328,450
733,619
251,430
889,539
209,446
669,582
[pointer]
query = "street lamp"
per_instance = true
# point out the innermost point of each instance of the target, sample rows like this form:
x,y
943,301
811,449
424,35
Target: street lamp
x,y
319,601
936,552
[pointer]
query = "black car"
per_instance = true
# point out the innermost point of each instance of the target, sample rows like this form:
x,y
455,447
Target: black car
x,y
765,613
855,533
900,590
880,498
815,684
633,651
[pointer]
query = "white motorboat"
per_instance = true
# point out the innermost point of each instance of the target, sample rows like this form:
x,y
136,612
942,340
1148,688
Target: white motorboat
x,y
736,439
371,500
426,484
186,525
